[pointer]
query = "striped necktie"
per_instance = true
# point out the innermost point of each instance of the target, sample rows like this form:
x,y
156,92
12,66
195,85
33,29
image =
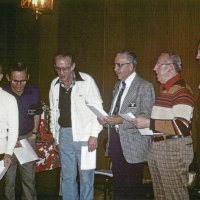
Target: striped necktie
x,y
117,105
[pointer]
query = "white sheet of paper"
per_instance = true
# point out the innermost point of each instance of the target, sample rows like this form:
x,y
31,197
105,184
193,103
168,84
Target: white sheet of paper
x,y
146,131
88,159
128,116
25,153
3,169
99,112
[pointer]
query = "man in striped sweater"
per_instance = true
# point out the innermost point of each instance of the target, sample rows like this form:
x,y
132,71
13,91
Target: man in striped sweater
x,y
172,150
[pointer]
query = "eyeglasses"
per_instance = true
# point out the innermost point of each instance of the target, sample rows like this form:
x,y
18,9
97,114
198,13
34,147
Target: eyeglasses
x,y
63,69
18,82
119,65
162,64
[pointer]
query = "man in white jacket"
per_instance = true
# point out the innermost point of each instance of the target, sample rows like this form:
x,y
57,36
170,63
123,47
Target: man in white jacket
x,y
8,125
74,126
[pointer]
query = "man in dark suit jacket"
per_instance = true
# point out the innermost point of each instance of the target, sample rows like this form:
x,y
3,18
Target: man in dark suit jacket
x,y
126,146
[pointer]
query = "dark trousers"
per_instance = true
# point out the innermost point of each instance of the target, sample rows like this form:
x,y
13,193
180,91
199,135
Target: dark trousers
x,y
27,171
127,176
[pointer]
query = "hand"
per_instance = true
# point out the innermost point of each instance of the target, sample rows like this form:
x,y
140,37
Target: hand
x,y
7,160
102,121
141,122
18,144
55,146
114,120
92,143
32,137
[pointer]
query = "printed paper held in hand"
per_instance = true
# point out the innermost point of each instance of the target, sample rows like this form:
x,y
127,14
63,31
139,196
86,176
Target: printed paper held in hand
x,y
88,159
143,131
25,153
3,169
99,112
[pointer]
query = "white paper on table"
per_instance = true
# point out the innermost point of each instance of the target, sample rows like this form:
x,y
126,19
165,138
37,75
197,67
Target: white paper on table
x,y
3,169
98,111
25,153
128,116
88,159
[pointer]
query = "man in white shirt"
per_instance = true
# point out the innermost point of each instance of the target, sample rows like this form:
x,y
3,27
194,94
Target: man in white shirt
x,y
8,124
73,125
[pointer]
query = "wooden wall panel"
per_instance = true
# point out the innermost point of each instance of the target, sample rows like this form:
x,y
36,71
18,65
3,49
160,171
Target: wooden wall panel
x,y
95,30
151,27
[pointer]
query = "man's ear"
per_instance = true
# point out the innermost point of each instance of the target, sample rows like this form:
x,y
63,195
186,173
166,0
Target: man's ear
x,y
28,77
131,67
1,76
7,76
73,67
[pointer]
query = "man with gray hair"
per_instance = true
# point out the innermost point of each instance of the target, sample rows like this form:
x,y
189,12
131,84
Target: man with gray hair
x,y
126,146
8,125
172,150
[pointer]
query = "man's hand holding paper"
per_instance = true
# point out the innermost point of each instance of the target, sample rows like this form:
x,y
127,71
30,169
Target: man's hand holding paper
x,y
7,160
141,122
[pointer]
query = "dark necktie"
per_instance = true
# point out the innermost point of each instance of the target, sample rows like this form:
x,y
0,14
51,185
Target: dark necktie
x,y
117,104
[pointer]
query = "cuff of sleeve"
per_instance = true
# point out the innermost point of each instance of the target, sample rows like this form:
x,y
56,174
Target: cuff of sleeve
x,y
9,152
35,133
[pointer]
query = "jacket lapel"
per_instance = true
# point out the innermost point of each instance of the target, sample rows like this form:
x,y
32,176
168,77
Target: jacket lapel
x,y
131,94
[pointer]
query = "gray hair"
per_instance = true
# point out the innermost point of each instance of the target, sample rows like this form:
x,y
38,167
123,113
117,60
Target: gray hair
x,y
64,55
130,56
176,61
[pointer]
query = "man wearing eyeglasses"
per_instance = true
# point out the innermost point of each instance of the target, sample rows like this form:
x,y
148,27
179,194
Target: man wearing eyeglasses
x,y
29,107
74,126
126,146
172,150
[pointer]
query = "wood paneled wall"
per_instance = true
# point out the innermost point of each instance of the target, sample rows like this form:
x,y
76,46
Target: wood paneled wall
x,y
95,30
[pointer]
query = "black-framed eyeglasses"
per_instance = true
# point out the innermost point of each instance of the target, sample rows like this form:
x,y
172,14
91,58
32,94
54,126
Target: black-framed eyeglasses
x,y
21,82
63,69
119,65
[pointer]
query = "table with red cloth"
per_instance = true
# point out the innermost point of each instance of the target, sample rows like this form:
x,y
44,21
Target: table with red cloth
x,y
48,157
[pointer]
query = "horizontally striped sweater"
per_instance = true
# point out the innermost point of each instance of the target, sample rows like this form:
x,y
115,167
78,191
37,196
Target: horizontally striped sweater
x,y
173,109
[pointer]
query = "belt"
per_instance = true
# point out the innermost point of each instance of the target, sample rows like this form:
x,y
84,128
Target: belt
x,y
168,137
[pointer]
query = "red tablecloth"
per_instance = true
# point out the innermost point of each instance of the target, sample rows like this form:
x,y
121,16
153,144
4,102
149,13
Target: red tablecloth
x,y
48,157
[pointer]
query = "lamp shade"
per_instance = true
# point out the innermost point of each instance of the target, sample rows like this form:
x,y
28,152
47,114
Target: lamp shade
x,y
39,6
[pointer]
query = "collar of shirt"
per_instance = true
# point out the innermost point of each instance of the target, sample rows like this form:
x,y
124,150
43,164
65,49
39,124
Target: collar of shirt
x,y
77,77
170,82
128,81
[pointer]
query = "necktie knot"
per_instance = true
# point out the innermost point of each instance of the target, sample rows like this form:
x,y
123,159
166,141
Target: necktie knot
x,y
123,84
